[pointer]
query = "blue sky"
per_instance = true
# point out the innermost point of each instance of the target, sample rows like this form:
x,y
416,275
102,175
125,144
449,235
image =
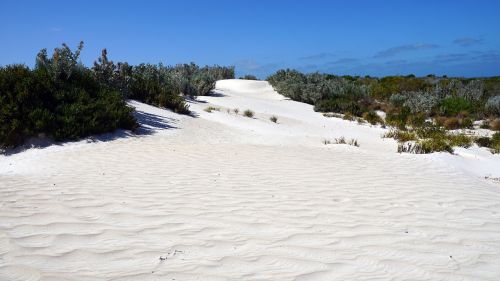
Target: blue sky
x,y
456,38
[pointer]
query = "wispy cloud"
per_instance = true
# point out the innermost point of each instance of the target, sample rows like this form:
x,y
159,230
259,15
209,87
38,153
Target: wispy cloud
x,y
395,62
319,56
467,41
343,61
249,66
56,29
451,57
404,48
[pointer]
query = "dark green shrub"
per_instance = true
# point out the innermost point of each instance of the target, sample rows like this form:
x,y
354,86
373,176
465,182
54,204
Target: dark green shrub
x,y
460,140
59,99
454,106
417,119
372,118
483,142
434,145
249,77
339,105
401,136
398,118
248,113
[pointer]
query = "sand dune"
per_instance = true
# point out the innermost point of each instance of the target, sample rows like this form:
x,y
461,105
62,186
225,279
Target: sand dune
x,y
220,196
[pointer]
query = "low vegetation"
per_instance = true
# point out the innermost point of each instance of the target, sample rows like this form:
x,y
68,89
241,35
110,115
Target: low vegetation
x,y
428,138
493,143
249,77
273,119
248,113
342,140
62,99
420,109
59,99
209,109
407,100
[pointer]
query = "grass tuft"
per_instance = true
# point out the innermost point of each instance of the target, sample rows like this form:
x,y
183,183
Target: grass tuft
x,y
209,109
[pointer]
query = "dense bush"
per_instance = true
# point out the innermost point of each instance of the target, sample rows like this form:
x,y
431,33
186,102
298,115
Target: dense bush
x,y
407,100
325,92
372,118
147,84
420,101
64,100
428,138
493,143
492,106
249,77
453,106
160,85
59,99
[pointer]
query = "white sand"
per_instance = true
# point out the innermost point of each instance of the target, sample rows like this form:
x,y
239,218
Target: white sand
x,y
226,197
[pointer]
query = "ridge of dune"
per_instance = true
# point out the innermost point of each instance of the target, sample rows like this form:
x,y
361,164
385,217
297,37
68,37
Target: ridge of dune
x,y
220,196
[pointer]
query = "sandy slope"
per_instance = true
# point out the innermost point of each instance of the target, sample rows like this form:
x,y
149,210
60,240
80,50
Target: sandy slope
x,y
225,197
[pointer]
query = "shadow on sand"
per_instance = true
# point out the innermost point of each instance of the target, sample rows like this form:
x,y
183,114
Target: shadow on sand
x,y
148,124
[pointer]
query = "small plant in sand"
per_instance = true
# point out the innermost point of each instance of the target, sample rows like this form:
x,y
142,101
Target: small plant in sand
x,y
273,119
248,113
209,109
429,138
332,115
400,135
236,111
343,140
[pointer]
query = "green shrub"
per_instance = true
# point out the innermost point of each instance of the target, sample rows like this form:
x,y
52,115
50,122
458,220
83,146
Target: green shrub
x,y
454,105
483,142
249,77
433,145
460,140
400,135
416,120
492,106
209,109
339,105
372,118
495,143
398,118
58,99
